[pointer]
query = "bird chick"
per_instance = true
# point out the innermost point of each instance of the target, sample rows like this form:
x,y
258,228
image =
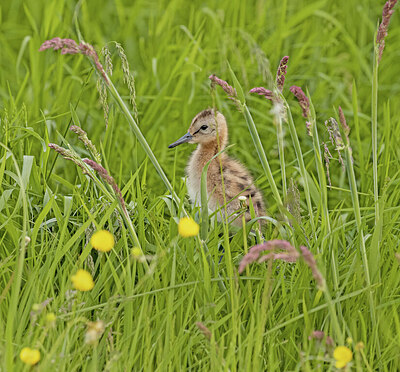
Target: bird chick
x,y
209,130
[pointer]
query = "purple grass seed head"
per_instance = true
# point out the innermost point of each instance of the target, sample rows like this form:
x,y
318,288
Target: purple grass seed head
x,y
89,51
387,12
69,46
281,73
342,120
263,92
289,253
204,330
229,90
304,102
318,335
312,264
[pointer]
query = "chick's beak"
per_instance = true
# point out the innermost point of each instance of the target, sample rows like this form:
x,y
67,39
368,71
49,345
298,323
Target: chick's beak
x,y
186,138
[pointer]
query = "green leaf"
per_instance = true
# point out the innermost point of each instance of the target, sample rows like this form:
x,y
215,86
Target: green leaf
x,y
74,116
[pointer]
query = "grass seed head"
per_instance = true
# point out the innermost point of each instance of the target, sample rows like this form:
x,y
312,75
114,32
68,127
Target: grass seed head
x,y
69,155
83,137
304,102
320,336
228,89
103,173
204,330
290,253
388,10
268,94
342,120
281,73
69,46
327,157
278,108
129,79
332,127
312,264
105,51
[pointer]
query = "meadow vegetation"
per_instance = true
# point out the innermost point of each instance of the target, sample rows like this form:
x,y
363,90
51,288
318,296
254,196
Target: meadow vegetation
x,y
151,296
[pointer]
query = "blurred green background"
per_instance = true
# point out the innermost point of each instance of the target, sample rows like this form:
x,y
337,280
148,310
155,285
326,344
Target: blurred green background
x,y
172,47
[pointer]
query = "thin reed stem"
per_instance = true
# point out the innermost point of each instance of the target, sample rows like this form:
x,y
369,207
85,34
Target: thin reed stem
x,y
261,153
281,150
240,102
300,160
374,133
357,213
320,170
136,130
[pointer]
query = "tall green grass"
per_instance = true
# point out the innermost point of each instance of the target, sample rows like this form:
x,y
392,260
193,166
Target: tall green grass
x,y
189,309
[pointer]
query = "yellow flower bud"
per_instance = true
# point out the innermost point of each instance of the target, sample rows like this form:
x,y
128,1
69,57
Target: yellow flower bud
x,y
359,346
51,318
82,280
29,356
188,227
136,252
102,240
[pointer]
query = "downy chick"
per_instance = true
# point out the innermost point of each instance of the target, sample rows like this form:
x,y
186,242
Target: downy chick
x,y
209,130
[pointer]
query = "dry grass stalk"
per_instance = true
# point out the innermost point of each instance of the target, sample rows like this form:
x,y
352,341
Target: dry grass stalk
x,y
82,135
103,173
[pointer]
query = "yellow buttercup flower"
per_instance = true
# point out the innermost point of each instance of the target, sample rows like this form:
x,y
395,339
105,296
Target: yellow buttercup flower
x,y
188,227
82,280
102,240
29,356
343,355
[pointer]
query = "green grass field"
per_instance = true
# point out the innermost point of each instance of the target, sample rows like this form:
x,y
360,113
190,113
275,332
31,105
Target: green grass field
x,y
183,305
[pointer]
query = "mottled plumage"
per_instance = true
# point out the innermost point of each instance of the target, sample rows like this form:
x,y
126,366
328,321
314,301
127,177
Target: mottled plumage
x,y
208,128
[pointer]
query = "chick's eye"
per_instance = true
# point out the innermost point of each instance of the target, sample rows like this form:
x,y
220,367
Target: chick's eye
x,y
204,127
